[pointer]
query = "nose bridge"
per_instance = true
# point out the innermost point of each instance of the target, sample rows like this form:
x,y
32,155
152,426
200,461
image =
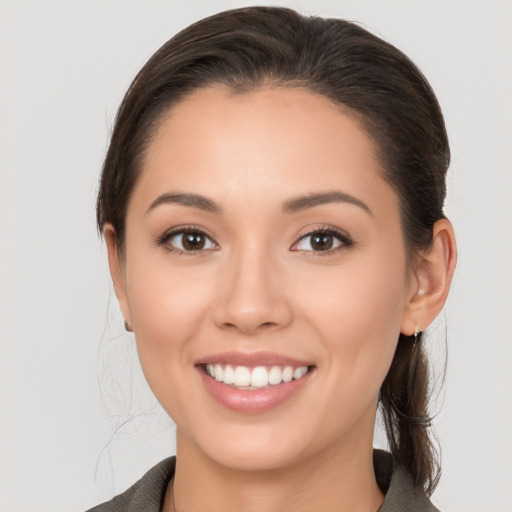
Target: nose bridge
x,y
252,297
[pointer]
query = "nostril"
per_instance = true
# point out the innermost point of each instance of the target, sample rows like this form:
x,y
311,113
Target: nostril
x,y
260,327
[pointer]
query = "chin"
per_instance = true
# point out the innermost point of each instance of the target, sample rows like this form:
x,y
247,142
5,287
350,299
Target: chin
x,y
253,458
253,447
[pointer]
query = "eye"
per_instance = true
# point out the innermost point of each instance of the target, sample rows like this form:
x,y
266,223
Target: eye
x,y
187,240
323,240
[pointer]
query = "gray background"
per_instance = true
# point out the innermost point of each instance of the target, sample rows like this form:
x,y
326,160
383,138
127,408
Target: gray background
x,y
68,372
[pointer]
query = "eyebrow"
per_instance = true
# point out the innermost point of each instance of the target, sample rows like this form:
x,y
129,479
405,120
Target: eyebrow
x,y
193,200
301,203
294,205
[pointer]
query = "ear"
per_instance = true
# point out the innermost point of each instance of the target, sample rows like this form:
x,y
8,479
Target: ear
x,y
431,281
116,270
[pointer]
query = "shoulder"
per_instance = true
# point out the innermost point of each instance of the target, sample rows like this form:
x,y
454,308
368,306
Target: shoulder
x,y
145,495
401,493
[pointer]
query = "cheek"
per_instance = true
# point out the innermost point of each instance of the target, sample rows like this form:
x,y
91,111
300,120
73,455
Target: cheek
x,y
166,309
363,294
357,312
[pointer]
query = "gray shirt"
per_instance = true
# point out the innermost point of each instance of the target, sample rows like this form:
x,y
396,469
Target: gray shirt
x,y
147,495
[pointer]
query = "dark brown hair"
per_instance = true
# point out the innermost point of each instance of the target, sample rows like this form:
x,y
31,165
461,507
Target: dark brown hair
x,y
247,48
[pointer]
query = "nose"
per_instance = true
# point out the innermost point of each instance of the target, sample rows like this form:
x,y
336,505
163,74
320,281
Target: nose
x,y
252,297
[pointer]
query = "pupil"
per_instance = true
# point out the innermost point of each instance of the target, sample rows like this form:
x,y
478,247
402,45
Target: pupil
x,y
193,241
322,242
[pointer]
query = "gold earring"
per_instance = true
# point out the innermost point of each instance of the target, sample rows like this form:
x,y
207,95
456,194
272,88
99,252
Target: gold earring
x,y
127,326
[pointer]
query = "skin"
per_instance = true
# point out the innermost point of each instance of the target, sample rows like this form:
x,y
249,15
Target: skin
x,y
259,286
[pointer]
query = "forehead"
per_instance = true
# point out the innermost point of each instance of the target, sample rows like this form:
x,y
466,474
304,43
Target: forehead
x,y
266,144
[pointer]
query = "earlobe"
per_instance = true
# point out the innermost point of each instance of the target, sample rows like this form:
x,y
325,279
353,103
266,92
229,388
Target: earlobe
x,y
433,275
116,269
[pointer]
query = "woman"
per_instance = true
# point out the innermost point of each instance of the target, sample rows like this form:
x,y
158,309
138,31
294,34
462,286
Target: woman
x,y
272,204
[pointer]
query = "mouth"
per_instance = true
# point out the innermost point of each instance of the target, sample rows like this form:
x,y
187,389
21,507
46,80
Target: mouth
x,y
259,377
253,383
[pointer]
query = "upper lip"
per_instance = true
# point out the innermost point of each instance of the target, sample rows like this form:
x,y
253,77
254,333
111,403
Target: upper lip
x,y
252,359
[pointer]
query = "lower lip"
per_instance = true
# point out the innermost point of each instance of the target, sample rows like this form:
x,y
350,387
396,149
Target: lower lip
x,y
252,400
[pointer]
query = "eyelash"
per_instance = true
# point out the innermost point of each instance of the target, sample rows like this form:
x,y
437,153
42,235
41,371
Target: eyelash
x,y
341,236
163,240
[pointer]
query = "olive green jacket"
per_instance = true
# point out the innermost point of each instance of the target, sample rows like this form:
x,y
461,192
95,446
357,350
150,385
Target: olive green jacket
x,y
147,495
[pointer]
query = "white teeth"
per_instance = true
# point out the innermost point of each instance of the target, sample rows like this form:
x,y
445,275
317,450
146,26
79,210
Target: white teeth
x,y
258,377
288,374
275,375
242,376
229,375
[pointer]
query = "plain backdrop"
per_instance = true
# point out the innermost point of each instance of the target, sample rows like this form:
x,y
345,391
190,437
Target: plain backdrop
x,y
77,423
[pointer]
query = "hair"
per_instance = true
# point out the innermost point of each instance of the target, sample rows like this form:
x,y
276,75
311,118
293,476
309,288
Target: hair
x,y
250,48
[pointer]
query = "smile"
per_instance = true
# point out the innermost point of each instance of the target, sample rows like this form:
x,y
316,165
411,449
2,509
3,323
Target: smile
x,y
253,383
244,377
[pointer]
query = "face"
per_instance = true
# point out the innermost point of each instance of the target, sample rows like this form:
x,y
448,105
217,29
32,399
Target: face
x,y
265,276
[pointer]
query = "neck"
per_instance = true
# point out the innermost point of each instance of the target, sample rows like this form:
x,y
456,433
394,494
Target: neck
x,y
339,480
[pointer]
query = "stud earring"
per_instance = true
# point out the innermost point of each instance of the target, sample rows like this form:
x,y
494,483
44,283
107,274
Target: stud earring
x,y
416,332
127,326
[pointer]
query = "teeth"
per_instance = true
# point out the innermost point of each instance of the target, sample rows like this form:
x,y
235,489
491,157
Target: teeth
x,y
258,377
299,372
275,375
288,374
229,375
242,376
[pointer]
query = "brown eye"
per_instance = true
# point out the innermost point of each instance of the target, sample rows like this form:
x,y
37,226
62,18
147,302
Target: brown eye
x,y
193,241
322,241
190,240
